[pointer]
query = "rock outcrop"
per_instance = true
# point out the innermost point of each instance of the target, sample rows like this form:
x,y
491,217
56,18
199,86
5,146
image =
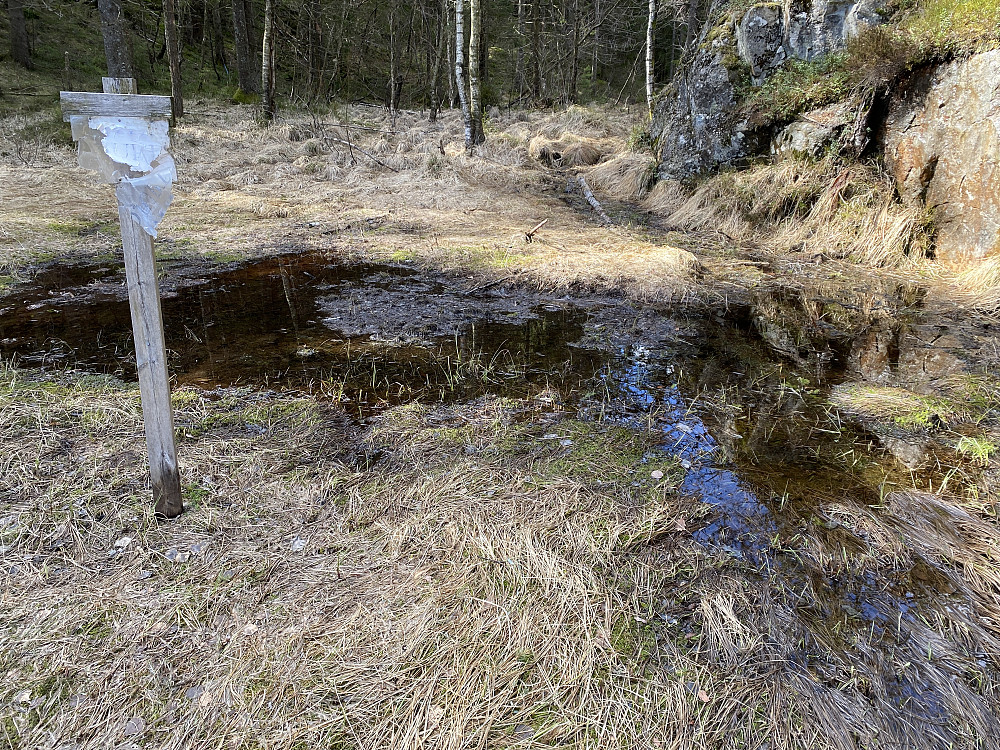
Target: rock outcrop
x,y
696,124
942,145
812,133
759,40
814,28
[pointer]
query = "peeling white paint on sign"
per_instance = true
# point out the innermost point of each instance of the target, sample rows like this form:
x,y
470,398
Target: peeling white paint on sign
x,y
130,152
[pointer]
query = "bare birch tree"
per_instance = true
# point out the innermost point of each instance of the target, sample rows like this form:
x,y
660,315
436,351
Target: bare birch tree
x,y
267,64
460,71
393,60
475,92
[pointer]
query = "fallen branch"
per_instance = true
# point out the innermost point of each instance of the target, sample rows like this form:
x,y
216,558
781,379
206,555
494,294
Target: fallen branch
x,y
529,236
363,127
361,150
488,284
594,203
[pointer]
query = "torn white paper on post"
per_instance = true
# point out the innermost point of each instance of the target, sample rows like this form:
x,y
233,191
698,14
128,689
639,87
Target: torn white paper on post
x,y
132,153
148,197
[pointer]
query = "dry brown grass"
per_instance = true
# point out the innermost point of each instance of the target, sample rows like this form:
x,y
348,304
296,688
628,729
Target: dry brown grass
x,y
796,205
627,177
857,217
978,287
390,187
664,197
644,272
436,598
449,578
569,151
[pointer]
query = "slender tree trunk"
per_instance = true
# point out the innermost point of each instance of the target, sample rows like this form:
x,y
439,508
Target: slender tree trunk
x,y
315,44
574,71
692,26
244,52
484,44
674,42
338,57
19,48
442,40
117,50
203,44
475,94
650,55
536,53
267,62
218,41
460,72
519,52
407,55
451,64
173,57
393,58
595,62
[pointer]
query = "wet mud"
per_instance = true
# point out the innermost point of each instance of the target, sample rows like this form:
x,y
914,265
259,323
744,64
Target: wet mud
x,y
863,574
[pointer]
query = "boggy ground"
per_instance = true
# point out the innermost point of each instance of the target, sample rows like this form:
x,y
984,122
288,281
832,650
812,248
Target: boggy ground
x,y
447,488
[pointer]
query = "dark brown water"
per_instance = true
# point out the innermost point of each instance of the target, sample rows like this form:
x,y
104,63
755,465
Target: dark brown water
x,y
791,497
265,325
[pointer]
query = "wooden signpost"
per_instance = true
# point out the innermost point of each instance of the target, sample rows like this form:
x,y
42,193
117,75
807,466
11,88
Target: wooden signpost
x,y
119,100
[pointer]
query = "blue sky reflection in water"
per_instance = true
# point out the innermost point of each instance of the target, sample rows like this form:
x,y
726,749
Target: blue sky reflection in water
x,y
740,520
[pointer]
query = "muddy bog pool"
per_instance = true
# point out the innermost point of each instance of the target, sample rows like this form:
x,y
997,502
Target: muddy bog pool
x,y
841,534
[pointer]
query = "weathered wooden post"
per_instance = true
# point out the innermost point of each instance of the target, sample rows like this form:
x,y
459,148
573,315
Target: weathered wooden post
x,y
123,136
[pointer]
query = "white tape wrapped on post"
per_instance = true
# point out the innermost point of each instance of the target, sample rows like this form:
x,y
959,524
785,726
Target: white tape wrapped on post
x,y
130,152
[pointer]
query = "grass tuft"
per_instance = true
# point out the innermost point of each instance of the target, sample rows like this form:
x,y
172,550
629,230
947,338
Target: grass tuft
x,y
800,205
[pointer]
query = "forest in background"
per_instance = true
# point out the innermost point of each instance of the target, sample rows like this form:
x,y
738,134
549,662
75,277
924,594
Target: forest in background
x,y
401,54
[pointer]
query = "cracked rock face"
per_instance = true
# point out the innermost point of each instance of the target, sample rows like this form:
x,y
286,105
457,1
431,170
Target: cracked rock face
x,y
814,28
770,33
942,145
759,40
695,122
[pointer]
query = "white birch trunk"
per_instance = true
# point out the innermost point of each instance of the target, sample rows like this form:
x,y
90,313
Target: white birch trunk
x,y
475,94
460,70
267,62
650,71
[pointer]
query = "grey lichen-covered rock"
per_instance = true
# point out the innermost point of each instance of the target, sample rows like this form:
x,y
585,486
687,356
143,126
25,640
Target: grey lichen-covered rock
x,y
695,124
759,39
942,145
814,28
770,33
812,133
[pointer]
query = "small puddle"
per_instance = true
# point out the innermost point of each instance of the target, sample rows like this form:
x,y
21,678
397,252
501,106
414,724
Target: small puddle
x,y
785,503
371,335
788,510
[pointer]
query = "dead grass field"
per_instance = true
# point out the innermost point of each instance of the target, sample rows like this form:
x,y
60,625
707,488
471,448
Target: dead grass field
x,y
455,576
399,189
360,183
451,577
